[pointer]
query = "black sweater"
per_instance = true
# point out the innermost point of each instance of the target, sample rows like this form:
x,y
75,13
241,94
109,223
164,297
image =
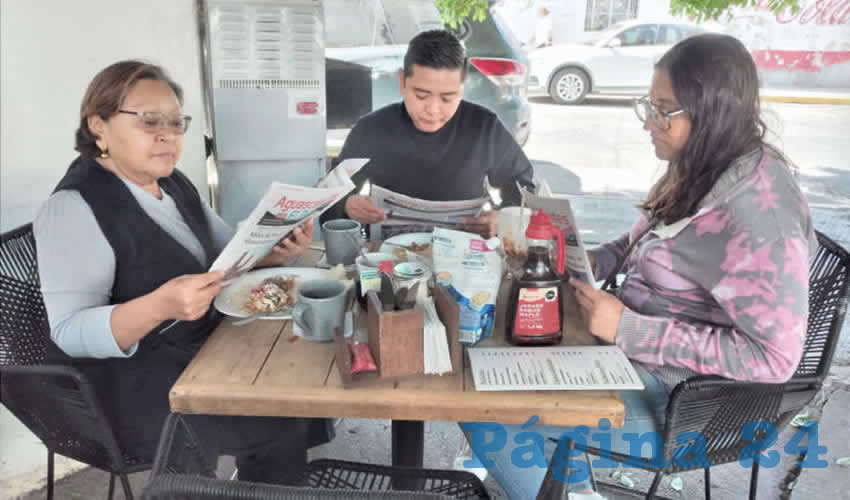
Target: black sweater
x,y
446,165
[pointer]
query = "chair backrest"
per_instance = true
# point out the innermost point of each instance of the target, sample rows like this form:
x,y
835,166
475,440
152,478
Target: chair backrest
x,y
829,287
180,487
55,402
24,328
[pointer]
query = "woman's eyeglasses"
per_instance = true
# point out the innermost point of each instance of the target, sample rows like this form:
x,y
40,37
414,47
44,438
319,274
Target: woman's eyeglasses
x,y
645,110
154,122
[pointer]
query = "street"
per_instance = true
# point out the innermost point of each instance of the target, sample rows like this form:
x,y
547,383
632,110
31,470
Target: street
x,y
603,143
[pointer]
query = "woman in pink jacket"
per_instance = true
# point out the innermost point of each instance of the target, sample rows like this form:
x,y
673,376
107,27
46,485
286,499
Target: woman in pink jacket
x,y
714,274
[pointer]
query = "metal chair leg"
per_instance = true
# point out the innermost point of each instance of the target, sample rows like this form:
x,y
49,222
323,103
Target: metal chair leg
x,y
754,480
125,483
656,482
111,485
590,469
707,483
49,474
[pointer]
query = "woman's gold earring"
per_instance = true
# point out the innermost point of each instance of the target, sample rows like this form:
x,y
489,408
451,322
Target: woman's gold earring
x,y
104,153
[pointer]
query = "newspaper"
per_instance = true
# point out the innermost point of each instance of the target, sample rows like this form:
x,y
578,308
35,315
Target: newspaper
x,y
409,215
282,209
559,209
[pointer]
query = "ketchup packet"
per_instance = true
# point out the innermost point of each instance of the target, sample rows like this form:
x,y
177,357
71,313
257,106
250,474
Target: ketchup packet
x,y
361,358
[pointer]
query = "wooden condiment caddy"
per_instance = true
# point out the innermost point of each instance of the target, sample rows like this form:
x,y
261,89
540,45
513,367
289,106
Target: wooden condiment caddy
x,y
396,341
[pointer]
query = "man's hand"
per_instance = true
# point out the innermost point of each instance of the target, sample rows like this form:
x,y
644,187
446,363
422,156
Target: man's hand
x,y
601,310
486,224
295,244
188,297
361,209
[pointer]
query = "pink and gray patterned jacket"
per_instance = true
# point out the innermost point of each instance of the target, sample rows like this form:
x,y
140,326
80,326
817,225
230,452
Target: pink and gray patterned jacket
x,y
724,292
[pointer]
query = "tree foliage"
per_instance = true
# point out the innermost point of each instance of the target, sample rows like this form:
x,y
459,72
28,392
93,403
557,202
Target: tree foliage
x,y
704,10
453,12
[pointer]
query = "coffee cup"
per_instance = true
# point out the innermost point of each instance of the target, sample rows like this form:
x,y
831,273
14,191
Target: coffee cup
x,y
343,240
320,309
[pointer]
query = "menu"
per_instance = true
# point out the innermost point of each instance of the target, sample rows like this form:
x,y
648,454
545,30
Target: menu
x,y
552,368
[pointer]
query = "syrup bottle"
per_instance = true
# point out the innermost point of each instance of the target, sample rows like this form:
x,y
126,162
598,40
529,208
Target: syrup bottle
x,y
534,313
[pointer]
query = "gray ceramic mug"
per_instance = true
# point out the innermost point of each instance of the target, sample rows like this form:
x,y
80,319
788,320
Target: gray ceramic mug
x,y
343,240
320,309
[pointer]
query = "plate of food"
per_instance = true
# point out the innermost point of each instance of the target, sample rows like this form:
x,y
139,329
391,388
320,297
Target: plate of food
x,y
269,291
401,245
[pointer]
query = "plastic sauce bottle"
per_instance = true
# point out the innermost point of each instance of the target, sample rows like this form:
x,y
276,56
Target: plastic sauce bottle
x,y
534,313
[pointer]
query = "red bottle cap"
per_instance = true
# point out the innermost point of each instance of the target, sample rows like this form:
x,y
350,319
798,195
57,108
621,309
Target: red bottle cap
x,y
540,227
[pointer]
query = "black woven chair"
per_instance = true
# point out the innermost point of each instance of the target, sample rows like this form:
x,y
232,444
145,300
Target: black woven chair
x,y
184,487
180,455
719,408
55,402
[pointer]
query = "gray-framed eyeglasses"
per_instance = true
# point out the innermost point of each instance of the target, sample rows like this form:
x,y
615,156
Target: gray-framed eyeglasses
x,y
645,110
154,122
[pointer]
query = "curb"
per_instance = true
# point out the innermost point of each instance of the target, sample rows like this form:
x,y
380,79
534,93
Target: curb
x,y
807,99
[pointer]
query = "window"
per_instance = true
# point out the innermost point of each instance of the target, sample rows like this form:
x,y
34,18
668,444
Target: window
x,y
602,13
643,34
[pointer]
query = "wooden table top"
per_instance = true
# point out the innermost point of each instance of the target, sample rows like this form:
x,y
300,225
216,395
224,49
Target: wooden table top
x,y
262,369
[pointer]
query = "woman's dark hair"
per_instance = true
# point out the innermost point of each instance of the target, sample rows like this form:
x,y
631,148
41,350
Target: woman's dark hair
x,y
106,93
437,49
715,81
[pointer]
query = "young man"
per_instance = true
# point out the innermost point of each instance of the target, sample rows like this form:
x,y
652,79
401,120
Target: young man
x,y
434,145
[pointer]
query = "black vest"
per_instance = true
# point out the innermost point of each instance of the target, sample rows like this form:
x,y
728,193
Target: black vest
x,y
146,256
134,391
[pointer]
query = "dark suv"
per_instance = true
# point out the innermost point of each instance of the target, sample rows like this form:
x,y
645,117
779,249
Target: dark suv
x,y
373,34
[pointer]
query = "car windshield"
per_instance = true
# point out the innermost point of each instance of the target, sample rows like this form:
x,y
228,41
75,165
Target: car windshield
x,y
603,36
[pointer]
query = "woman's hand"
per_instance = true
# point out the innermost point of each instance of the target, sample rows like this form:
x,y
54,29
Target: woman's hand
x,y
601,310
297,243
188,297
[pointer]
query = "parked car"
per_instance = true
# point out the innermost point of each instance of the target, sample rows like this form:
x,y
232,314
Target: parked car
x,y
374,34
617,60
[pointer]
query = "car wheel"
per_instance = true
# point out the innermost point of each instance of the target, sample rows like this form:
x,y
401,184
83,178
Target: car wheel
x,y
569,86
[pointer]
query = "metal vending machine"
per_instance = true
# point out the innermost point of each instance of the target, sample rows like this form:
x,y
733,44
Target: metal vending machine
x,y
264,76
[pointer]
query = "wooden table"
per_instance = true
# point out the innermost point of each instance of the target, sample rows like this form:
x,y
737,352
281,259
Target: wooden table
x,y
262,369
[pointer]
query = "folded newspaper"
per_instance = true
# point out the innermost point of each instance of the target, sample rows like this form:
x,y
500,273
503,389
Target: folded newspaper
x,y
282,209
408,215
559,209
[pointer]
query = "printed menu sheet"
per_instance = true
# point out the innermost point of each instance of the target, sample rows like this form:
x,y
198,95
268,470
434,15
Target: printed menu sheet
x,y
552,368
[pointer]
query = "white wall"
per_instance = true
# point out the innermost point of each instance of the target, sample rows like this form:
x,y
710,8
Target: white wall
x,y
49,51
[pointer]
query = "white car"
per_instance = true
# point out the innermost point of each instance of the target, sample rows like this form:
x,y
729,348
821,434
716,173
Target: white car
x,y
617,60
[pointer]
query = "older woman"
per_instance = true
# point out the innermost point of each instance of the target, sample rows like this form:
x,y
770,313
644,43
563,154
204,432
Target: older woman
x,y
124,243
716,271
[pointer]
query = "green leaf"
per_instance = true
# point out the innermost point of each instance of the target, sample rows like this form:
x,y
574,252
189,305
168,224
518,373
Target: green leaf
x,y
705,10
676,483
843,461
454,12
625,480
802,419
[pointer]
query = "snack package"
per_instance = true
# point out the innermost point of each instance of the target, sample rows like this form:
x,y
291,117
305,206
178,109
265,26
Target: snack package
x,y
472,273
361,358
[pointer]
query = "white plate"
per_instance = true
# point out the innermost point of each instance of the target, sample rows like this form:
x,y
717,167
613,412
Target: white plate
x,y
229,301
405,240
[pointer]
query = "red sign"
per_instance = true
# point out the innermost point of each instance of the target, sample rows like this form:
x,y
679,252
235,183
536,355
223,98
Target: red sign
x,y
307,108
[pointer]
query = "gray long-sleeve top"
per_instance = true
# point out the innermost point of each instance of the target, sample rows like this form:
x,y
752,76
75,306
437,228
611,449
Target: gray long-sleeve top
x,y
77,266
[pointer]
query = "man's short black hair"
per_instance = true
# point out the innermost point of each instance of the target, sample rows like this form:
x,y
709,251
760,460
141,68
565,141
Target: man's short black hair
x,y
437,49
